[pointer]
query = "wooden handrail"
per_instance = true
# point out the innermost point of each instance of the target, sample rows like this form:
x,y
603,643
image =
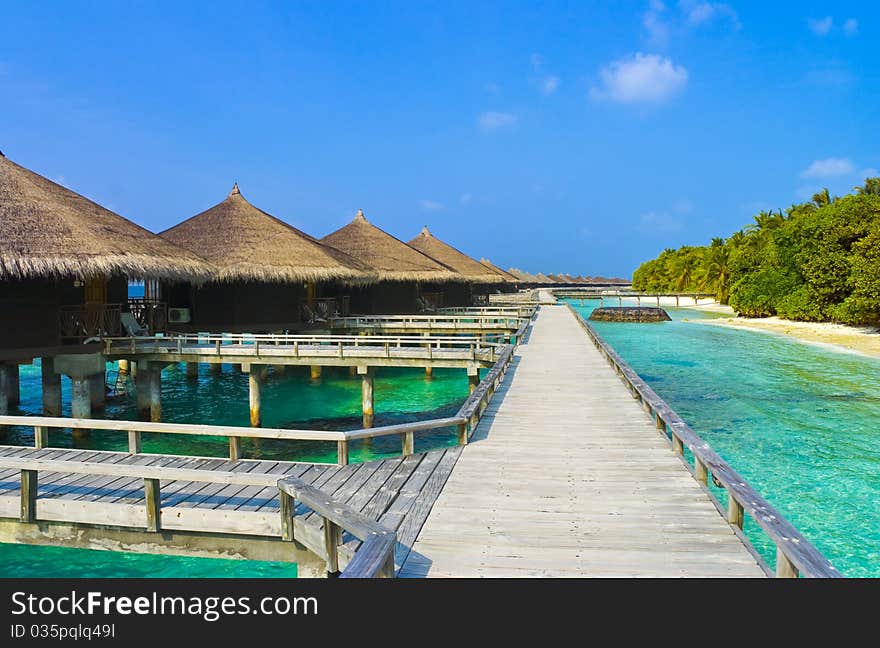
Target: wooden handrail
x,y
374,558
795,554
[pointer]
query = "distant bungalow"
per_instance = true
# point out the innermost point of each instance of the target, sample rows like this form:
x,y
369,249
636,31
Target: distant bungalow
x,y
270,275
508,277
65,264
478,279
410,280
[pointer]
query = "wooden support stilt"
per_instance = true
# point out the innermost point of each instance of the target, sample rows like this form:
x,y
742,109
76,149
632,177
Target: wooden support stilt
x,y
367,403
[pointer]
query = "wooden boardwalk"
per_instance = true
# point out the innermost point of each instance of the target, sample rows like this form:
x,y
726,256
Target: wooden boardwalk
x,y
396,492
566,475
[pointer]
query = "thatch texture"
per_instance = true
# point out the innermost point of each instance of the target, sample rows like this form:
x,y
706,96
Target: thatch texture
x,y
247,244
47,230
472,270
391,258
505,275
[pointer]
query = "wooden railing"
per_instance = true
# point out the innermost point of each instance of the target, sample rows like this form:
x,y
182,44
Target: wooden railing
x,y
465,421
794,553
375,556
149,313
444,321
79,323
267,346
526,311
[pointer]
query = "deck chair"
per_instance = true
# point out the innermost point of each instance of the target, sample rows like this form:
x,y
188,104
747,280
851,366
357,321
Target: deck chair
x,y
132,327
312,317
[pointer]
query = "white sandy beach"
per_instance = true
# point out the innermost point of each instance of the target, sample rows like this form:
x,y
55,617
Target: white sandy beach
x,y
864,340
840,337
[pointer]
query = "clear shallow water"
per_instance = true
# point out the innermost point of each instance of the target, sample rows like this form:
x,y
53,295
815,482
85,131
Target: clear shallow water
x,y
801,423
290,399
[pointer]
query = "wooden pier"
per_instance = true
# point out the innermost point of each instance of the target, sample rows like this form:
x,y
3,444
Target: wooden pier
x,y
566,464
568,476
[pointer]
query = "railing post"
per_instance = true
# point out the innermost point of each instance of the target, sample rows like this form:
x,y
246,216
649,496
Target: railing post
x,y
342,452
153,498
331,545
734,511
41,436
677,445
462,434
234,448
701,473
286,504
134,442
784,567
28,496
408,443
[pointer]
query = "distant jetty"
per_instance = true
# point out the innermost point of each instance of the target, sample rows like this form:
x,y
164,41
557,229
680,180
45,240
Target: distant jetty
x,y
629,314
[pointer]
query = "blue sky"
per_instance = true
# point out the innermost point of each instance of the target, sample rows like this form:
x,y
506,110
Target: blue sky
x,y
579,137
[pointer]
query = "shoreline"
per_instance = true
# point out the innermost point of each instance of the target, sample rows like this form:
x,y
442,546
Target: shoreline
x,y
859,340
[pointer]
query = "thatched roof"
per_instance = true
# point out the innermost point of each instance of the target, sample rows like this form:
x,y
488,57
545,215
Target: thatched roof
x,y
505,275
247,244
47,230
461,263
391,258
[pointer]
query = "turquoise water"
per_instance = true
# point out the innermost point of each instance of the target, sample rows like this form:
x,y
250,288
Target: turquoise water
x,y
290,399
798,421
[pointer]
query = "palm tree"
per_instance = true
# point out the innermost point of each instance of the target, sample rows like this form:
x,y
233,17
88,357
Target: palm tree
x,y
870,188
822,198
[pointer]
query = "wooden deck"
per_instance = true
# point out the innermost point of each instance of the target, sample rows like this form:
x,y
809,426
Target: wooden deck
x,y
396,492
566,475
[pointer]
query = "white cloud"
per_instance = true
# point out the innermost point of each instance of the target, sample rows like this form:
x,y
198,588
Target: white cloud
x,y
828,168
493,120
465,198
698,13
549,84
822,26
430,205
653,222
851,27
657,27
643,78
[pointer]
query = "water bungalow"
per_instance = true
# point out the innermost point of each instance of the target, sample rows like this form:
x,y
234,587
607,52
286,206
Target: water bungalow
x,y
270,275
410,281
65,264
509,279
478,280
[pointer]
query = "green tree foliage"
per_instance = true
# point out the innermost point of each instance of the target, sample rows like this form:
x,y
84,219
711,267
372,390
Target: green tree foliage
x,y
817,261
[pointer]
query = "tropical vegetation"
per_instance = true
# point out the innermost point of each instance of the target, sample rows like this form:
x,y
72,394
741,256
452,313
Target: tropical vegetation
x,y
815,261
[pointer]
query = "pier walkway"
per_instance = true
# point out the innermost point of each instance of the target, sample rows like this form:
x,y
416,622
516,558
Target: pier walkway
x,y
566,475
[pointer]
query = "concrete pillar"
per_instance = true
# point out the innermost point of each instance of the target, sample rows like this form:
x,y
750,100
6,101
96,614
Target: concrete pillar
x,y
473,374
155,391
51,388
315,372
98,391
142,392
81,403
429,371
256,376
14,385
192,370
366,374
352,370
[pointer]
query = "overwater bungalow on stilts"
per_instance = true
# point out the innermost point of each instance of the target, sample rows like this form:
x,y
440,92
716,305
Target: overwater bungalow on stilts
x,y
510,280
271,276
65,265
477,280
409,280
